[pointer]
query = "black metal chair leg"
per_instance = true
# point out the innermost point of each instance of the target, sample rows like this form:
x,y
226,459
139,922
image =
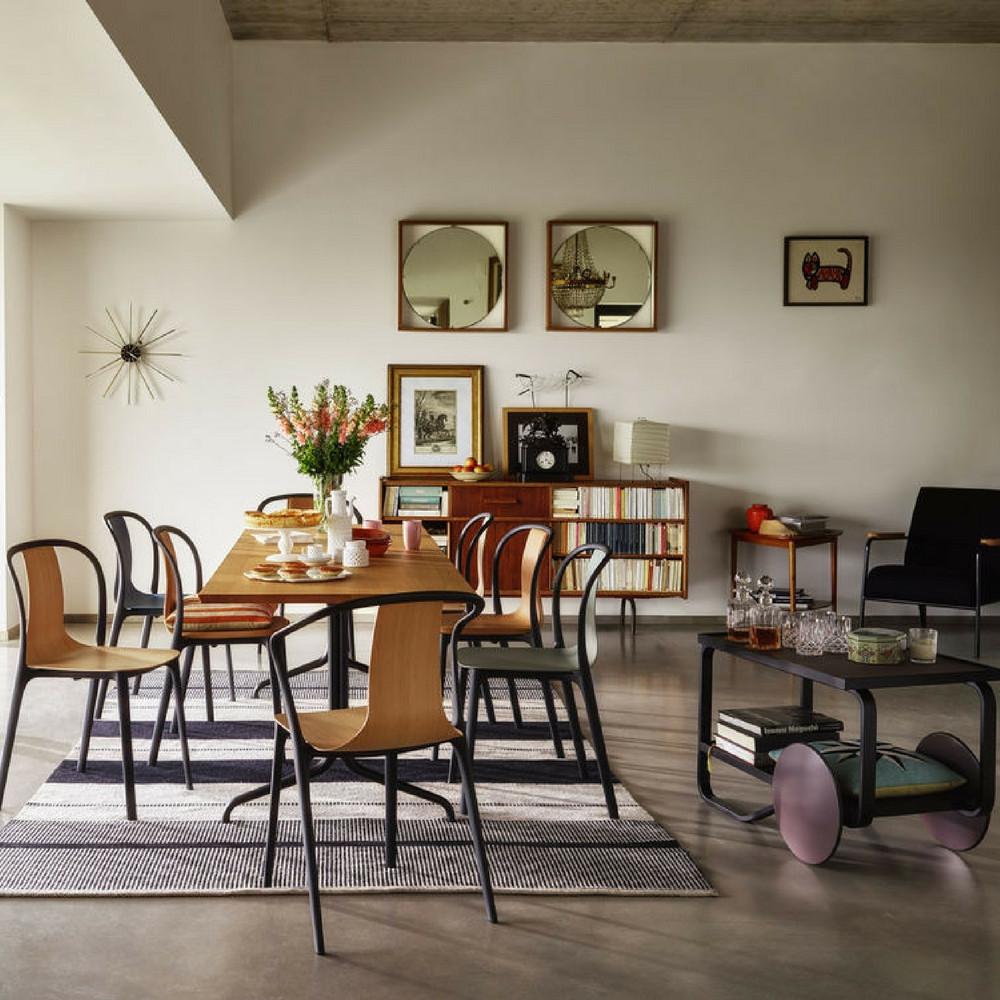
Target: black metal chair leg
x,y
391,790
309,847
13,714
206,669
232,675
174,678
460,751
102,694
574,728
277,771
147,625
186,664
125,734
978,631
515,704
88,725
550,711
491,714
161,711
922,612
600,751
475,683
436,749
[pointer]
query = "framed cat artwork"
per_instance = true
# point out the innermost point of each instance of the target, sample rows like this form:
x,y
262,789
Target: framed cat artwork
x,y
826,271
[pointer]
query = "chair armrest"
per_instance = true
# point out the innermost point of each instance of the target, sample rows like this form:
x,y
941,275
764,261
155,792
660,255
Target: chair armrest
x,y
990,543
887,536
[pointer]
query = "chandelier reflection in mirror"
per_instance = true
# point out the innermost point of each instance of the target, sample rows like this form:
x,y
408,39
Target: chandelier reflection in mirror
x,y
131,361
577,284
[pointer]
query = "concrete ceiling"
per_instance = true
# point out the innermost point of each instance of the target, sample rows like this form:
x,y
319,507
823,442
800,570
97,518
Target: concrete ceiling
x,y
616,20
80,137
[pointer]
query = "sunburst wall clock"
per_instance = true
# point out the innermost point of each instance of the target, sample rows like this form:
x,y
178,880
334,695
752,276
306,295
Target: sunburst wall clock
x,y
132,364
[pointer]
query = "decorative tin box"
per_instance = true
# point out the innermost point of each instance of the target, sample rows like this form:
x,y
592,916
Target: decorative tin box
x,y
876,645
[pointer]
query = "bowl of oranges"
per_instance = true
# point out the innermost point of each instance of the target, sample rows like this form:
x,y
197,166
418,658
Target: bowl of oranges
x,y
472,471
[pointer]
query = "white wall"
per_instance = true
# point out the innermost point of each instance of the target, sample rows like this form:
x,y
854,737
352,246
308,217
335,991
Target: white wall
x,y
730,147
15,394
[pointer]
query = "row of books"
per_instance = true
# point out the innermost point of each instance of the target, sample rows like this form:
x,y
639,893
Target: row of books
x,y
415,501
620,502
631,539
750,734
640,575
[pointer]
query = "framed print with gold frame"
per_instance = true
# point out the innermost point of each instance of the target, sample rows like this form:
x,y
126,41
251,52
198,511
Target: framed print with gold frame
x,y
601,276
436,417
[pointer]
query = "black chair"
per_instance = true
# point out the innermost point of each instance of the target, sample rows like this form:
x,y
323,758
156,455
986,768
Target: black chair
x,y
568,665
404,713
47,650
130,601
952,557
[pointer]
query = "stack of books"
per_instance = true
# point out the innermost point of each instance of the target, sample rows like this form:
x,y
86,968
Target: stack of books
x,y
781,596
415,501
565,501
750,734
805,524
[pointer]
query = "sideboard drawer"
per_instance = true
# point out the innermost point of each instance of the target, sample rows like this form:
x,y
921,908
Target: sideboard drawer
x,y
523,502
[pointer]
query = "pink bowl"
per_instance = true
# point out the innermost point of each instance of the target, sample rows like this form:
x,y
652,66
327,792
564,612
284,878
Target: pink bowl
x,y
377,540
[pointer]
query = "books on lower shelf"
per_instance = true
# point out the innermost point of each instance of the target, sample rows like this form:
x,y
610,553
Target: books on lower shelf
x,y
639,575
749,734
415,501
781,596
619,502
629,539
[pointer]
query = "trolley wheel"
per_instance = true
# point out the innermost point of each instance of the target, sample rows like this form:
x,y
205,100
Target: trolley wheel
x,y
957,829
807,804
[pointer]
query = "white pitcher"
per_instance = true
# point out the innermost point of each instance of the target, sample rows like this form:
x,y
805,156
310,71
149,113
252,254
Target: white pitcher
x,y
337,507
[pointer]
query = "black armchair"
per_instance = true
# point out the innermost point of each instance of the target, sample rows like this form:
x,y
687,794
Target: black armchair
x,y
952,557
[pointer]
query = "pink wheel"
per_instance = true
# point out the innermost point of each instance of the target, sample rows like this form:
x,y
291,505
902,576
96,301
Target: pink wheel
x,y
957,830
807,804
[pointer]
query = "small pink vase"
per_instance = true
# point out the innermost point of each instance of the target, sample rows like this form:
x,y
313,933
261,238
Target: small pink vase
x,y
411,535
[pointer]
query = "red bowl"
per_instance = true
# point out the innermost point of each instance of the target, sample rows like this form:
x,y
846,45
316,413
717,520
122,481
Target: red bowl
x,y
376,539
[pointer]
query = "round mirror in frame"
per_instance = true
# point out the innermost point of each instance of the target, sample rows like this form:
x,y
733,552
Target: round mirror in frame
x,y
452,276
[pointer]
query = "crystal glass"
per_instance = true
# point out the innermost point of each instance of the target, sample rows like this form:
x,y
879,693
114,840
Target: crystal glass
x,y
790,628
739,610
839,627
923,645
811,635
765,619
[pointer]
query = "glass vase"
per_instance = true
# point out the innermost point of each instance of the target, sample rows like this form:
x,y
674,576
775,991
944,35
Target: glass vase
x,y
322,485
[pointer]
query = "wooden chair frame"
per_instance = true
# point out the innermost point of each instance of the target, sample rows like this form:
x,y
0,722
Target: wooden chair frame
x,y
468,681
43,636
395,703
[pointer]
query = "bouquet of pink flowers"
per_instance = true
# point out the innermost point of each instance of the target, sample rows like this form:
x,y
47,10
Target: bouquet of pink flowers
x,y
327,438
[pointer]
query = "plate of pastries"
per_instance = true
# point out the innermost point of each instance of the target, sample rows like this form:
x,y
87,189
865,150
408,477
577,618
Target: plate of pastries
x,y
288,517
294,571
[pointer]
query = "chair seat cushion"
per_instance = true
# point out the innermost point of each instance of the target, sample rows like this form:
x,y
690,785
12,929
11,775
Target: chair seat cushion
x,y
201,617
923,585
898,772
518,659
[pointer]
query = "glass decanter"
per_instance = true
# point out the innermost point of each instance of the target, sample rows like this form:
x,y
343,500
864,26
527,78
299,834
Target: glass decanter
x,y
765,619
739,610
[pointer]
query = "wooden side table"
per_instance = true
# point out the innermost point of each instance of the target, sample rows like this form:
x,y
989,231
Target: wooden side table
x,y
792,544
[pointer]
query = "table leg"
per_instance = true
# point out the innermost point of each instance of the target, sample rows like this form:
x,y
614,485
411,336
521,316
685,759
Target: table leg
x,y
987,745
734,545
833,573
704,746
791,577
869,757
806,694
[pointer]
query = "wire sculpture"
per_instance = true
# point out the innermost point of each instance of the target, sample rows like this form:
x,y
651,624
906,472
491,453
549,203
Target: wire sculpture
x,y
530,384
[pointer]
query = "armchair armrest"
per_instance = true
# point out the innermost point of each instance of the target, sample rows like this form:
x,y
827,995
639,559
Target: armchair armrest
x,y
887,536
990,543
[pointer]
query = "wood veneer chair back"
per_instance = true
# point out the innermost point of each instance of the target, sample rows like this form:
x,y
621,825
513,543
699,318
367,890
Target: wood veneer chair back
x,y
41,603
529,608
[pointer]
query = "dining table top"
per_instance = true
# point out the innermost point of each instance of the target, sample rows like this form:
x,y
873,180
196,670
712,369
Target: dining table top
x,y
398,571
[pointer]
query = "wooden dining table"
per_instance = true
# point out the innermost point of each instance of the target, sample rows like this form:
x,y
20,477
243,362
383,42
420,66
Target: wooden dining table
x,y
398,571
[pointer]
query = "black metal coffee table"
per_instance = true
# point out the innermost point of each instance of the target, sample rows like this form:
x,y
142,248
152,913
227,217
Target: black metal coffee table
x,y
957,818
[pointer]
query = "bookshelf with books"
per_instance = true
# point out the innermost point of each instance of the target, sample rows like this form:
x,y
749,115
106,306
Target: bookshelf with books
x,y
643,522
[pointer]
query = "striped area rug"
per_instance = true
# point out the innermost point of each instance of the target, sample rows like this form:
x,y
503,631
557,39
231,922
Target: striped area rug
x,y
547,828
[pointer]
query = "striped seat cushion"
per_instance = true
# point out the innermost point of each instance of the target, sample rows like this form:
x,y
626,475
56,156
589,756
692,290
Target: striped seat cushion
x,y
199,617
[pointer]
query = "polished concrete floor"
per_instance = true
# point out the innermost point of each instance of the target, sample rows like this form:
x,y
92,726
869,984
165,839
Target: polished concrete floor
x,y
891,916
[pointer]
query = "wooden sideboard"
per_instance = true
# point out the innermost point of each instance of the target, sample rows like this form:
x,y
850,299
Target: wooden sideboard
x,y
644,522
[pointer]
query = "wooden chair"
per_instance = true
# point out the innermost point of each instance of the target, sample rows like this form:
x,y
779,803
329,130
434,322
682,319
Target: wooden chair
x,y
47,650
404,713
524,623
195,625
130,600
563,664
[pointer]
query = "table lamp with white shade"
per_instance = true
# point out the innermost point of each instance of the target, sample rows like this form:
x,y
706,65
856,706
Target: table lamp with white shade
x,y
642,443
